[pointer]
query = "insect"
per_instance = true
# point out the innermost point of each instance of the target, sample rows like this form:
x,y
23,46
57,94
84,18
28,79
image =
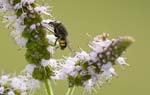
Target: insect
x,y
61,33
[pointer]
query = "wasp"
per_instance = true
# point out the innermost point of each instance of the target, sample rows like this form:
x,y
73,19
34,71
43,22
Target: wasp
x,y
60,33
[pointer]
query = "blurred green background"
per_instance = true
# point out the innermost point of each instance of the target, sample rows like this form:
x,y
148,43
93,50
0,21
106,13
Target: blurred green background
x,y
116,17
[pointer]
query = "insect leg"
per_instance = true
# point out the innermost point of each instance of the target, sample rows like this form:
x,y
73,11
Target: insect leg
x,y
50,30
55,42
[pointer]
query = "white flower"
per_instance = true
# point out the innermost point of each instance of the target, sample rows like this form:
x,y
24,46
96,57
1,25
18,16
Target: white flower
x,y
50,62
20,28
53,63
11,93
51,39
106,66
18,83
51,50
5,5
107,75
88,84
95,77
33,26
108,70
1,90
4,79
21,41
59,75
93,57
30,68
100,43
100,46
11,18
122,61
74,74
18,6
44,62
32,84
78,68
91,71
68,67
45,23
21,83
82,55
83,73
112,70
42,9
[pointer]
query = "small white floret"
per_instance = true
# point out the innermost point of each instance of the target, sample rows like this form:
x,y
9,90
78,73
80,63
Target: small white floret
x,y
30,68
1,90
11,93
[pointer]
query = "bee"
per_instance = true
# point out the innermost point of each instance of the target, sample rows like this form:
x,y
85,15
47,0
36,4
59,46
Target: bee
x,y
60,33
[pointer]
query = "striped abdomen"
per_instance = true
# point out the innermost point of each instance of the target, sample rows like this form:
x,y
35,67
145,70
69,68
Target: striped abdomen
x,y
63,43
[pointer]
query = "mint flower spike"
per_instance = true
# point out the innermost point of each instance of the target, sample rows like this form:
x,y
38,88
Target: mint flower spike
x,y
96,67
17,85
29,31
25,16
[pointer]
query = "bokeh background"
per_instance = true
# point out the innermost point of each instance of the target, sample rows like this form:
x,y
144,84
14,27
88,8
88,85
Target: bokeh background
x,y
116,17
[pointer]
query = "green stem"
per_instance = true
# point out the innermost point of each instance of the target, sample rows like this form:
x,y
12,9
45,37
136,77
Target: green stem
x,y
48,87
70,90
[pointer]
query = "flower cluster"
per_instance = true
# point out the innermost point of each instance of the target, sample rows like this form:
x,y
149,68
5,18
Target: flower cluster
x,y
21,85
30,32
87,69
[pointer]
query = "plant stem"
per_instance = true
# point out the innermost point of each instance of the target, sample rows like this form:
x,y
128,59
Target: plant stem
x,y
70,90
48,87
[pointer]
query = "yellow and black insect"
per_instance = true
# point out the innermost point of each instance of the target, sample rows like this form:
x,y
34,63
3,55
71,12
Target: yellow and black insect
x,y
61,33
